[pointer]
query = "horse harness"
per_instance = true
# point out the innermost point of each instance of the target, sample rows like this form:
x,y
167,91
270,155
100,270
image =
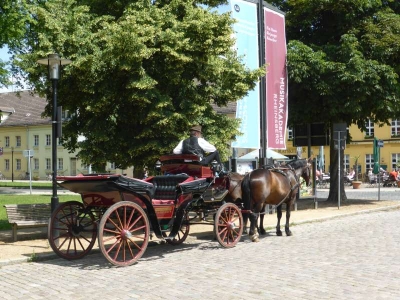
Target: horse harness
x,y
292,186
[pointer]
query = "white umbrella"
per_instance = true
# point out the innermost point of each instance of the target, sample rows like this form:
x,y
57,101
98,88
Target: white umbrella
x,y
270,154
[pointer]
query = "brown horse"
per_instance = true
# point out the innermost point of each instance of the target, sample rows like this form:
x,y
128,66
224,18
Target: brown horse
x,y
273,186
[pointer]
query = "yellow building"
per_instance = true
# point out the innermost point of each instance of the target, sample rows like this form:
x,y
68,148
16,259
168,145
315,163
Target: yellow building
x,y
22,128
361,146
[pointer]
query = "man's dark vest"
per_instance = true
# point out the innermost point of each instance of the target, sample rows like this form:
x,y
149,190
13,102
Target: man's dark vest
x,y
191,146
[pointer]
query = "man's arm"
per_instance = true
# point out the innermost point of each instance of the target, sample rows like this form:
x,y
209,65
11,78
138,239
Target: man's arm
x,y
178,148
206,146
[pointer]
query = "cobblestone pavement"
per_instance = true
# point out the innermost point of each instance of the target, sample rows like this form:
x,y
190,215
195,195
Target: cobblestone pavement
x,y
352,257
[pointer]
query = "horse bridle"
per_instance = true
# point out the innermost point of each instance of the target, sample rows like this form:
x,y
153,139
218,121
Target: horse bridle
x,y
230,179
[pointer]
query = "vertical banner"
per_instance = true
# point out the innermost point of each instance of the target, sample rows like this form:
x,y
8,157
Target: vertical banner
x,y
276,79
246,35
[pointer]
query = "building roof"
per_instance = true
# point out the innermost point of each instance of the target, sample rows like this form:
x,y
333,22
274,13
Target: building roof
x,y
229,109
22,109
26,109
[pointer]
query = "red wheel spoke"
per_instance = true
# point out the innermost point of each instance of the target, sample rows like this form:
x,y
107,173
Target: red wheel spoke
x,y
138,228
116,226
111,238
119,220
117,252
139,218
115,231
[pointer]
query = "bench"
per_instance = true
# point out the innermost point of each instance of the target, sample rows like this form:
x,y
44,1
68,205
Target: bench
x,y
27,216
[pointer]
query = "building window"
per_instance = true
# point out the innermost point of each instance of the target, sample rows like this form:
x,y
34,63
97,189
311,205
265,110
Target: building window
x,y
369,133
7,164
18,164
48,164
395,128
395,160
7,141
48,140
346,163
60,164
36,164
36,140
369,161
18,141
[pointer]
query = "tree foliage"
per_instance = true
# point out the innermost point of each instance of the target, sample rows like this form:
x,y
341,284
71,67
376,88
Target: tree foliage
x,y
343,64
12,23
142,72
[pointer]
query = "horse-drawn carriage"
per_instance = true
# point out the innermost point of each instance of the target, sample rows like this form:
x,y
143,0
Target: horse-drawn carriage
x,y
123,213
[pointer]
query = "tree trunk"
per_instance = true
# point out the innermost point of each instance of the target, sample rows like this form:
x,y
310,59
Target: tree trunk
x,y
333,169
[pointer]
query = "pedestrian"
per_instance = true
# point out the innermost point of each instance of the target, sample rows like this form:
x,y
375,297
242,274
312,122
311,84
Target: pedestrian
x,y
351,174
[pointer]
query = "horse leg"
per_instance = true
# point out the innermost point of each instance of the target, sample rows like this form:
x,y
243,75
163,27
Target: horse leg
x,y
253,221
279,216
261,229
288,208
245,220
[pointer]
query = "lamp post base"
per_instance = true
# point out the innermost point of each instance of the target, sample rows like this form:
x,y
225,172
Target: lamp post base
x,y
54,203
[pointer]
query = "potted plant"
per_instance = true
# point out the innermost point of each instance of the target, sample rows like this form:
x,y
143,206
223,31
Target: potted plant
x,y
356,183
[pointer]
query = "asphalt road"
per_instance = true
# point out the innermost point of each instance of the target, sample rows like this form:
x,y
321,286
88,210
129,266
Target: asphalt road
x,y
353,257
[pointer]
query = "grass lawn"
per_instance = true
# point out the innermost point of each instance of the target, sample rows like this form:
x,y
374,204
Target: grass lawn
x,y
25,184
26,199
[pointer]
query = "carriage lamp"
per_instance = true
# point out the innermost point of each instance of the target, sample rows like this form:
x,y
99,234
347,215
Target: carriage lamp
x,y
215,166
54,63
158,166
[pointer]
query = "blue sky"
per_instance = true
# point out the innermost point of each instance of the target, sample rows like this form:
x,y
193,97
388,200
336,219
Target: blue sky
x,y
4,56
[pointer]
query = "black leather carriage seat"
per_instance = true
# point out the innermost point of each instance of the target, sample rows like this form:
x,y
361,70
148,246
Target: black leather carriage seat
x,y
166,186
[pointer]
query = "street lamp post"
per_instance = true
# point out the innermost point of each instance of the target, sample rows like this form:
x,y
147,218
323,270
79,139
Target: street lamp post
x,y
12,164
54,63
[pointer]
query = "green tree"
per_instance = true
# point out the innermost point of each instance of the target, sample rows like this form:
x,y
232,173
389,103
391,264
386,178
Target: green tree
x,y
343,64
12,23
141,74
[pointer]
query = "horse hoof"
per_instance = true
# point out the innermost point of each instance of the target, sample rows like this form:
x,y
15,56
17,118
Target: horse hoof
x,y
254,238
279,233
262,231
288,233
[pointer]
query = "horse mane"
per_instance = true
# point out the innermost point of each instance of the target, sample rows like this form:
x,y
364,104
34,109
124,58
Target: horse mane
x,y
297,163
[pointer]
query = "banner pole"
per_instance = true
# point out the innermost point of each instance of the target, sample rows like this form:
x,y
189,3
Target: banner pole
x,y
263,117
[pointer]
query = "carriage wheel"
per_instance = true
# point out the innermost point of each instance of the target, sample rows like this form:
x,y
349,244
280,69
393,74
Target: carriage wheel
x,y
182,233
228,227
72,230
124,233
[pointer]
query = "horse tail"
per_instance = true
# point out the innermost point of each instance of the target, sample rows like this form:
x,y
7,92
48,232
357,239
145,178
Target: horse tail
x,y
246,192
